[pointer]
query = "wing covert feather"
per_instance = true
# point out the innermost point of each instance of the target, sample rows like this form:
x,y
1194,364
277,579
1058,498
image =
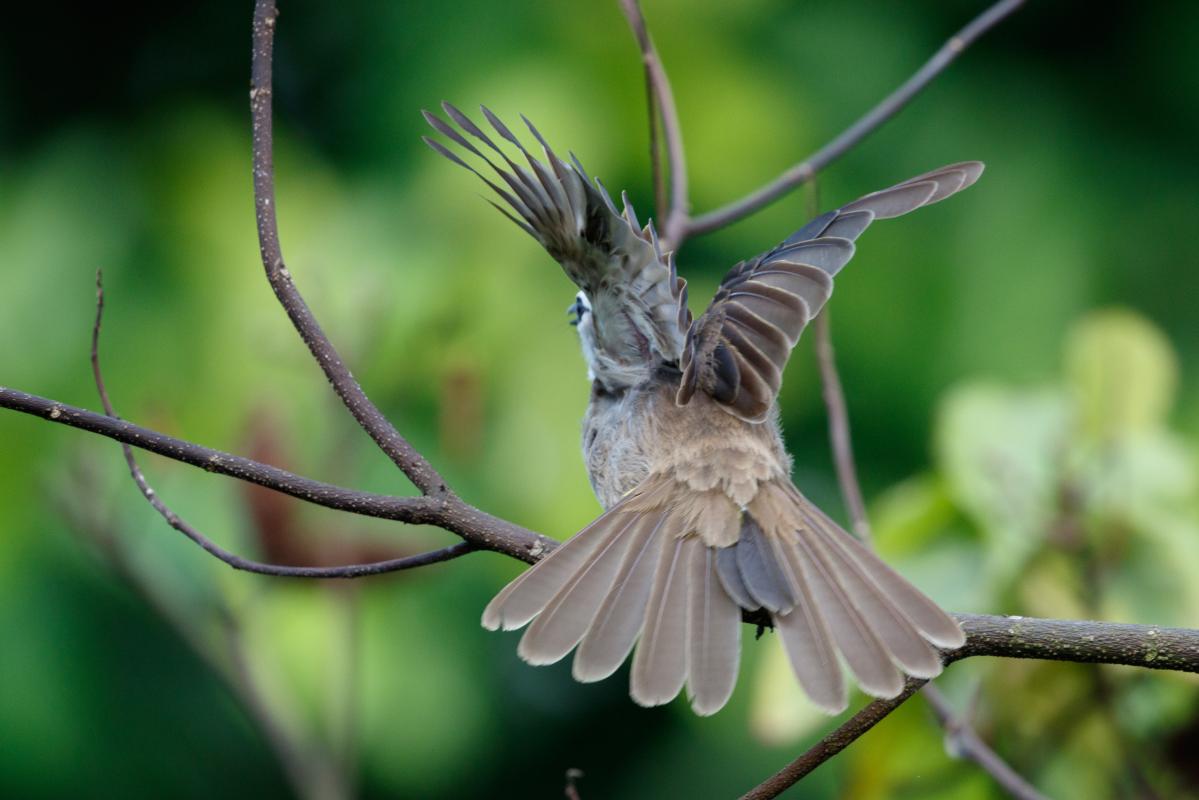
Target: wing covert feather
x,y
736,351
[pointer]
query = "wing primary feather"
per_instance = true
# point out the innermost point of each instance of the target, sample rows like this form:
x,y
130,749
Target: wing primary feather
x,y
633,288
828,253
555,196
579,166
850,224
524,226
444,128
519,179
607,198
520,207
653,238
630,213
896,201
825,244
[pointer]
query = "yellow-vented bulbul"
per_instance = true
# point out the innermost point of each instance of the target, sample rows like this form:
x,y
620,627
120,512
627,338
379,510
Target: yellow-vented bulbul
x,y
683,447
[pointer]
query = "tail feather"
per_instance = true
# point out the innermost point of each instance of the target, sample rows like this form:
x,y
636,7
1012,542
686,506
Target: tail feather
x,y
898,635
649,573
660,662
760,569
713,636
562,623
610,638
810,649
729,572
863,652
938,627
531,591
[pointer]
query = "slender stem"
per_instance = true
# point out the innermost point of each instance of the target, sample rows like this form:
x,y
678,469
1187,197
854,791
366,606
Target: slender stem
x,y
211,547
838,430
867,124
405,456
964,740
1080,641
675,221
477,527
661,200
831,745
296,759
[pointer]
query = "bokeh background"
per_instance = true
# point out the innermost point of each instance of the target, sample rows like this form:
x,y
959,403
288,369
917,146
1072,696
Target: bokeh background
x,y
1020,365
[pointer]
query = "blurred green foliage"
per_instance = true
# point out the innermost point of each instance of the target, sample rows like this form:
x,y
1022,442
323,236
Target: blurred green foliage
x,y
1060,479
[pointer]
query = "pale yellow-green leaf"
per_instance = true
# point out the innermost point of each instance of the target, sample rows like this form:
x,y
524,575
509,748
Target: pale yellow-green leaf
x,y
1122,372
1000,451
779,712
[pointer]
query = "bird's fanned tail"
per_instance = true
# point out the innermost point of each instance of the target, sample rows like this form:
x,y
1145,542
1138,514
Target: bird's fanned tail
x,y
642,574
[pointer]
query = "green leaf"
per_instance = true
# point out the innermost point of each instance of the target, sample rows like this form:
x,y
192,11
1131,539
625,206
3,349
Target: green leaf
x,y
1122,371
1001,452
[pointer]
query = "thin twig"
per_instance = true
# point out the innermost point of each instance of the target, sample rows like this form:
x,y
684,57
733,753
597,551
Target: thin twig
x,y
675,216
843,143
397,448
1080,641
211,547
966,742
295,757
661,199
310,769
838,430
830,745
482,530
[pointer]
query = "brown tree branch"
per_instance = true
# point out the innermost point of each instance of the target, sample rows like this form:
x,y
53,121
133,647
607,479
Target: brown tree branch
x,y
1080,641
397,448
211,547
831,745
482,530
303,766
965,741
675,215
845,141
838,430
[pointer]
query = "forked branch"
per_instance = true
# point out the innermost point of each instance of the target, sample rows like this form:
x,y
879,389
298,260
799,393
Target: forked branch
x,y
1144,646
214,549
660,99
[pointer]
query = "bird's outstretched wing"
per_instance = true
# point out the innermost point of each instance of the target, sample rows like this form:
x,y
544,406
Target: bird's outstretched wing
x,y
735,352
638,302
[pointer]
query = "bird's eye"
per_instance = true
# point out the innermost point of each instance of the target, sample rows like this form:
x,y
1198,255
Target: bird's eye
x,y
578,309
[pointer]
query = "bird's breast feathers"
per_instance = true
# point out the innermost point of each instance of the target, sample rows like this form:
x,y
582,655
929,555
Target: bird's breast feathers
x,y
717,460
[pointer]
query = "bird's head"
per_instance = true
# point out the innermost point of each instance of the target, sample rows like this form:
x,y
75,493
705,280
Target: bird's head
x,y
584,322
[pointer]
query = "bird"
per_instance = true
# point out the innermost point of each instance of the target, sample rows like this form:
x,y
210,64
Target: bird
x,y
684,450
